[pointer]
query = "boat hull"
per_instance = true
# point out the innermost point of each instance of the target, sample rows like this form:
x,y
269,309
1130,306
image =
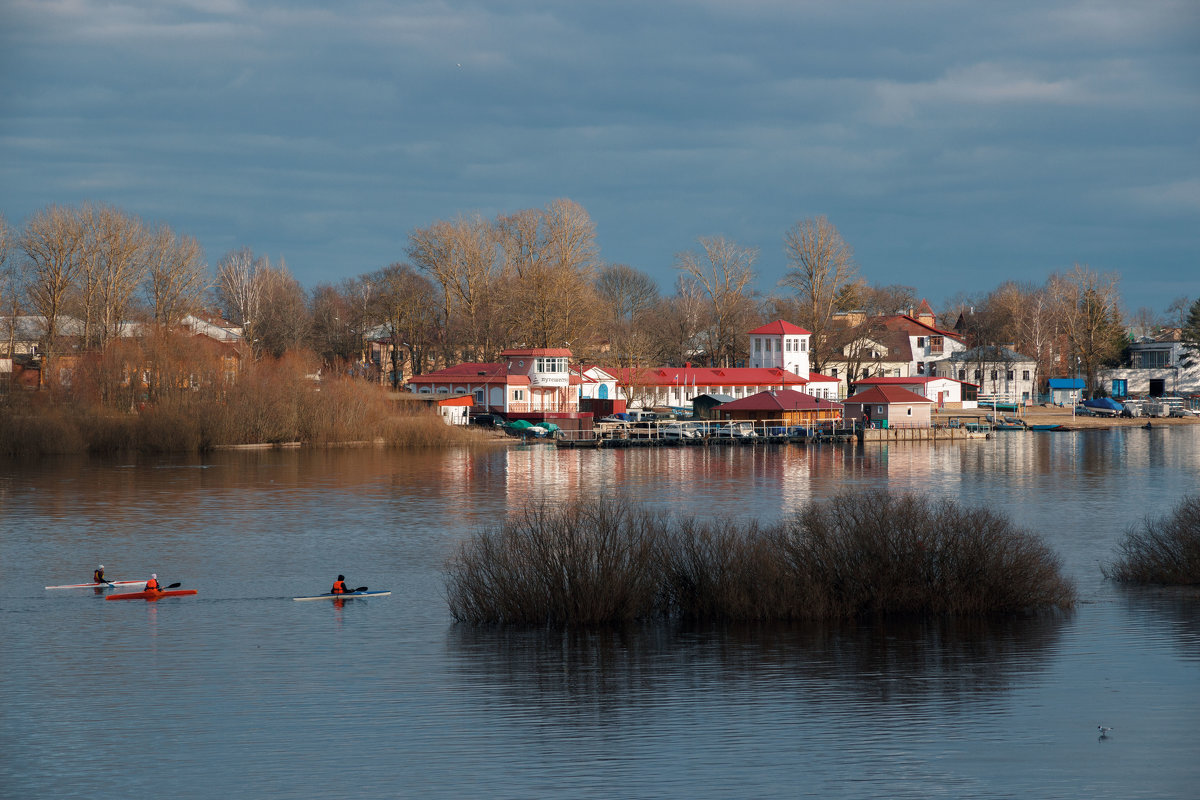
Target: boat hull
x,y
107,585
345,596
150,595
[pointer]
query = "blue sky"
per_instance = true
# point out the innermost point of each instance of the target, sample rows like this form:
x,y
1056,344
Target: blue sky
x,y
954,144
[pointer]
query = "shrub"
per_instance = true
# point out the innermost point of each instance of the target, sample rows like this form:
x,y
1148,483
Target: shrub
x,y
1163,550
851,557
585,564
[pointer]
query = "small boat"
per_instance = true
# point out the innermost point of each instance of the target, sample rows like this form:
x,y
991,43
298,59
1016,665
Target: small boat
x,y
343,596
1047,427
150,595
106,585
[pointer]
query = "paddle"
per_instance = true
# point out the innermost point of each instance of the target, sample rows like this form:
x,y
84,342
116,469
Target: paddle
x,y
174,586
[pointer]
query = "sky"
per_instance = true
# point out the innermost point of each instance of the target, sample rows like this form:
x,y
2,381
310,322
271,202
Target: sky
x,y
954,145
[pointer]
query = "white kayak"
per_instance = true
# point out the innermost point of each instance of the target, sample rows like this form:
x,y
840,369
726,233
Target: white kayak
x,y
343,596
107,585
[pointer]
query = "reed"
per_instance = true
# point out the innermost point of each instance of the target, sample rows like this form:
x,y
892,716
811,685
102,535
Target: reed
x,y
1161,550
854,556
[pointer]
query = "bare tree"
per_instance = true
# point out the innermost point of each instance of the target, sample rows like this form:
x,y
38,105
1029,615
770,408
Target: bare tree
x,y
1091,319
283,322
177,276
722,270
625,292
821,267
116,252
52,243
1177,311
408,304
550,259
10,291
240,289
461,257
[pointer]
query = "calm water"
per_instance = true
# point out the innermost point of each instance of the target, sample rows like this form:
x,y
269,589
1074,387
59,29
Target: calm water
x,y
241,692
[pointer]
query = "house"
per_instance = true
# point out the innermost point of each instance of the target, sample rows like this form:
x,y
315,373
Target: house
x,y
895,346
596,383
889,407
786,406
1001,373
946,392
704,406
1067,391
453,408
1155,368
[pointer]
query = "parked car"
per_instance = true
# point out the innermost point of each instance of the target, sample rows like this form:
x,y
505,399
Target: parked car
x,y
1183,412
487,420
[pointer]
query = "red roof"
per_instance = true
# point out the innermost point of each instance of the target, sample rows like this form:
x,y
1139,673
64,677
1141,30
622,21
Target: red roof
x,y
472,372
884,395
529,352
707,376
898,381
780,400
781,327
914,326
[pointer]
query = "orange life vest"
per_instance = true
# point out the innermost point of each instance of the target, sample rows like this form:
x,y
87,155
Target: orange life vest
x,y
339,587
98,576
152,585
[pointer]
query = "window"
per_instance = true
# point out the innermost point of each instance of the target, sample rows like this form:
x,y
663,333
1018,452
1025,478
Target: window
x,y
1008,375
833,372
935,344
909,411
994,373
768,345
787,344
920,367
779,345
962,374
978,374
518,394
879,409
803,345
550,364
757,345
866,372
1024,374
920,342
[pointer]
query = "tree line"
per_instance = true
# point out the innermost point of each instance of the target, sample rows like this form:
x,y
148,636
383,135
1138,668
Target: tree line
x,y
467,288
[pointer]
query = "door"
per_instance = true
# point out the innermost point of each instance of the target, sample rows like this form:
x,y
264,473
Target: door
x,y
1157,387
603,393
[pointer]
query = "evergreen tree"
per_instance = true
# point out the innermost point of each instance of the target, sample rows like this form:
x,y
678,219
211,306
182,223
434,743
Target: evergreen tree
x,y
1190,336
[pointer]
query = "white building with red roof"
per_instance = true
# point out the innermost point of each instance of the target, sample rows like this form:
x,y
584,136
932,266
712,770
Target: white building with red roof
x,y
779,359
530,382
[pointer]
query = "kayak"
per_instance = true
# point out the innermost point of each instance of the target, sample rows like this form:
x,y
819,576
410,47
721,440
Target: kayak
x,y
343,596
150,595
107,585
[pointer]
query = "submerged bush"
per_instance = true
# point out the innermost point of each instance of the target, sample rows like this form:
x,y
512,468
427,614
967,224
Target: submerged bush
x,y
853,556
584,564
1163,550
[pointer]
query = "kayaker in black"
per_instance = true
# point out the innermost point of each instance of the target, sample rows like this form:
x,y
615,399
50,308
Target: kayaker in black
x,y
339,586
98,575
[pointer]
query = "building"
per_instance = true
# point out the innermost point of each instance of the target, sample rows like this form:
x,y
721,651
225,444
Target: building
x,y
786,407
1001,374
1066,391
530,383
779,359
889,407
1155,369
947,393
890,346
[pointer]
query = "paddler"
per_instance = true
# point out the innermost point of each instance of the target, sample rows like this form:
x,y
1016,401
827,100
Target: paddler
x,y
339,586
152,584
98,575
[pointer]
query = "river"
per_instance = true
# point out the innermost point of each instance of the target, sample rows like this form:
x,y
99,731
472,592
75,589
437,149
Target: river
x,y
241,692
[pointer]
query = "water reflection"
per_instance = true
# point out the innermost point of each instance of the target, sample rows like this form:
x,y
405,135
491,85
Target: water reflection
x,y
893,662
1166,614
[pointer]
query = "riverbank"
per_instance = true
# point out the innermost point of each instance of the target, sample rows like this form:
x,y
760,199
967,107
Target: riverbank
x,y
1057,415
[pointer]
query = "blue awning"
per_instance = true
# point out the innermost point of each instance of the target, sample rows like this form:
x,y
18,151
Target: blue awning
x,y
1066,383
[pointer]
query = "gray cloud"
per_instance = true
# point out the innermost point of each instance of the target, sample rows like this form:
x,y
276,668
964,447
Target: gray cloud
x,y
955,145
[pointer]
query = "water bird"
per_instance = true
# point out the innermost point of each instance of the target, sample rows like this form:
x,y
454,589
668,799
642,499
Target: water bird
x,y
1103,731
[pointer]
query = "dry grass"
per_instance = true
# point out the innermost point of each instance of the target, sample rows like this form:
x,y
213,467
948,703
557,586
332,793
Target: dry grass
x,y
271,402
1162,550
852,557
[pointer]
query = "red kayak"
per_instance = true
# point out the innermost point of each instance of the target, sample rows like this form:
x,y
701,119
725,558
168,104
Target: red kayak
x,y
150,595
